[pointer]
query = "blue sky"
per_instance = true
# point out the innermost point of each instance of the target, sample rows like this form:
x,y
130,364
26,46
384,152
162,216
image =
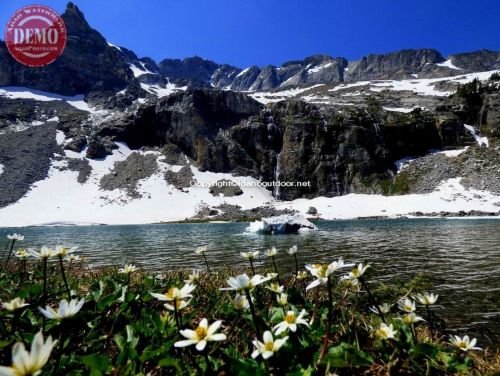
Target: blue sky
x,y
260,32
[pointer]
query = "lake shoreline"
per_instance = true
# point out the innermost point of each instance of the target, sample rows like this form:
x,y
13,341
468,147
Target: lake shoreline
x,y
471,215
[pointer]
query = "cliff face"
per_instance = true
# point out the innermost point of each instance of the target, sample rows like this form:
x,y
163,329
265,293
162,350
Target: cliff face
x,y
338,153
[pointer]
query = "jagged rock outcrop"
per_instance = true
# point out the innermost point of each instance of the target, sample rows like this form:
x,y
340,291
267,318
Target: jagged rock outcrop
x,y
477,61
87,63
490,115
194,70
395,65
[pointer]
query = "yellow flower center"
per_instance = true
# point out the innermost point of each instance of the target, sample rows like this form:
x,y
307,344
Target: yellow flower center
x,y
269,346
321,268
290,318
201,332
171,293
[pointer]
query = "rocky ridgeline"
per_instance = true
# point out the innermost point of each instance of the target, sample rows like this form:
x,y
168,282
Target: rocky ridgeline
x,y
89,65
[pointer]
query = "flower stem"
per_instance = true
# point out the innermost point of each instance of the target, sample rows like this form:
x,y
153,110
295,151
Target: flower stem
x,y
206,262
372,299
276,270
329,318
10,252
252,310
251,266
61,264
176,314
296,264
413,333
429,318
44,296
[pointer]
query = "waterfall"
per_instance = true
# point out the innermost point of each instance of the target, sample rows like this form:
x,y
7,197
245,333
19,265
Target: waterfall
x,y
277,172
376,126
336,179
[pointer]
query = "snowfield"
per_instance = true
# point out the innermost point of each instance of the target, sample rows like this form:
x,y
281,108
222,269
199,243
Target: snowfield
x,y
60,199
421,86
14,92
451,196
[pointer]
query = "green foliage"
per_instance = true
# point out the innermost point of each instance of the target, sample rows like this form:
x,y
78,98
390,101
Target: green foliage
x,y
123,330
397,186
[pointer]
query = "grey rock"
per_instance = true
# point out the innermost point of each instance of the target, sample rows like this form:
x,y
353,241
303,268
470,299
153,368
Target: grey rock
x,y
127,174
227,188
82,166
180,179
26,157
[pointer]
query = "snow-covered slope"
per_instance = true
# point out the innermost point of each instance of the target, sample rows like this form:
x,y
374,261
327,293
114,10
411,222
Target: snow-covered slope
x,y
325,94
61,199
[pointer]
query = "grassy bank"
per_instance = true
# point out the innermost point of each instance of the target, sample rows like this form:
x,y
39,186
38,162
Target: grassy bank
x,y
126,321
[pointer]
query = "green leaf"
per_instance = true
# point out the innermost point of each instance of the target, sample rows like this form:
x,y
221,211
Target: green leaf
x,y
246,367
346,355
98,364
424,349
170,362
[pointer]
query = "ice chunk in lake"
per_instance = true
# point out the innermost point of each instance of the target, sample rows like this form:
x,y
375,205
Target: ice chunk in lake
x,y
282,224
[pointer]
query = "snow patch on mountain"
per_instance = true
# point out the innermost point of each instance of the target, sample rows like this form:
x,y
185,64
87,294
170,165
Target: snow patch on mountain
x,y
319,68
421,86
400,109
242,72
271,97
17,92
448,64
480,140
114,46
137,71
161,91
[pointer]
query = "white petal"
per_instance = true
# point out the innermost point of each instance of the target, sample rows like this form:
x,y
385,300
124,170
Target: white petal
x,y
200,346
267,354
188,333
203,323
161,297
279,342
218,337
280,328
214,327
268,337
184,343
6,371
313,284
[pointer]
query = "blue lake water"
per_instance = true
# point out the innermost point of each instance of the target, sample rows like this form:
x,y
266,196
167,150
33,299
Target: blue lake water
x,y
460,256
